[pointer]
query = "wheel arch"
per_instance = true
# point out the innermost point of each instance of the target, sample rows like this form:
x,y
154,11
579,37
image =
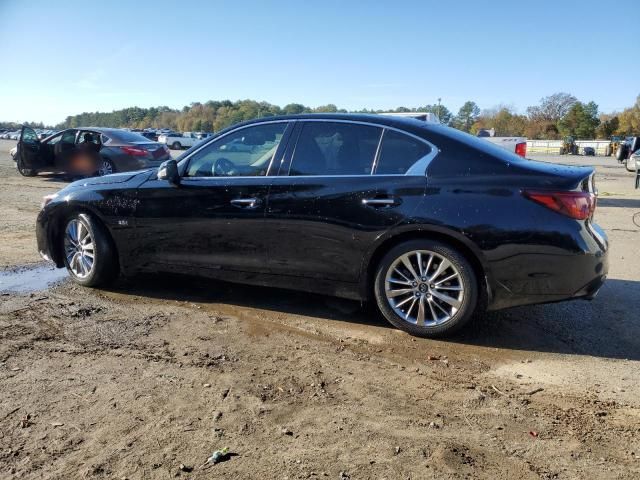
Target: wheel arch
x,y
56,228
470,251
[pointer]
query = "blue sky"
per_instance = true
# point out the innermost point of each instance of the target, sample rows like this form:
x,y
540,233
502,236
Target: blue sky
x,y
62,58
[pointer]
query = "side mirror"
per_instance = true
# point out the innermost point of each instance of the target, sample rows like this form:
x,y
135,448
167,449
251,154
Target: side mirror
x,y
169,171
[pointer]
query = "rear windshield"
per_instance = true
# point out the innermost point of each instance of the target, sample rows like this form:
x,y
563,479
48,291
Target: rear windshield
x,y
131,137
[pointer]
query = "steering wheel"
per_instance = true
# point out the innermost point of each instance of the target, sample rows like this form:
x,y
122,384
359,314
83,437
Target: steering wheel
x,y
223,167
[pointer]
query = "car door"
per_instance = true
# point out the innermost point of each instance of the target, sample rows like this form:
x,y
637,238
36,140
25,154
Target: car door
x,y
339,189
214,217
30,155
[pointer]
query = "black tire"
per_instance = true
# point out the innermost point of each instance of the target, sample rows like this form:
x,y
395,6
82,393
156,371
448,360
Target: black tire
x,y
25,172
468,282
621,154
105,266
176,145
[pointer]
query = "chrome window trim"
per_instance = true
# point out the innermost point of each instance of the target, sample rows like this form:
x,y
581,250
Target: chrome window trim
x,y
419,168
376,157
215,139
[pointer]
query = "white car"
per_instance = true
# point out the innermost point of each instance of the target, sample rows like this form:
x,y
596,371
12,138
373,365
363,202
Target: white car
x,y
186,140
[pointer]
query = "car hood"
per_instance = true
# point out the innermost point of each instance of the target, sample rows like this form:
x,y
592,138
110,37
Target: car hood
x,y
109,179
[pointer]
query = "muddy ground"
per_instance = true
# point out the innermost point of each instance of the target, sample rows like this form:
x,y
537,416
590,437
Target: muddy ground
x,y
134,381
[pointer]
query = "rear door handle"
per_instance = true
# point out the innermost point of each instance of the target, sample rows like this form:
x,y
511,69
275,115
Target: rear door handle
x,y
246,202
380,202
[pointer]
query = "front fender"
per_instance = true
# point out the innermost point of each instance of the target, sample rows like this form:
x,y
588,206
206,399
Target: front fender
x,y
114,209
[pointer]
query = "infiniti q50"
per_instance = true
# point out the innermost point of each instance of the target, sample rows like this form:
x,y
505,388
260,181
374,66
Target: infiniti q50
x,y
430,223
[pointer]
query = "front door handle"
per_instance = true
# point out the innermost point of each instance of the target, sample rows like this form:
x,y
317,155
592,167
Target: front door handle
x,y
380,202
246,202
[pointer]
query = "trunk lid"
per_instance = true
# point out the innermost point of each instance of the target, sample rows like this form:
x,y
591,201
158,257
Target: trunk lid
x,y
555,176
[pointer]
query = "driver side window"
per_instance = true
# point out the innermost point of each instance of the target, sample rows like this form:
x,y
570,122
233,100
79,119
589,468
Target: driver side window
x,y
246,152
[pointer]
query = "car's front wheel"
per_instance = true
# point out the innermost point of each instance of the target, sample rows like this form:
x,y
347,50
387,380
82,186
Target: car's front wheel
x,y
89,254
426,288
176,145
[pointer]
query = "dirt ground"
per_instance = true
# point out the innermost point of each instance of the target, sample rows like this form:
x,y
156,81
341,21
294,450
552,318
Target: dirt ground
x,y
134,381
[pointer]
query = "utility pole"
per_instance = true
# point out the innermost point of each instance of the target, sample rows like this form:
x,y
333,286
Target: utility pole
x,y
439,109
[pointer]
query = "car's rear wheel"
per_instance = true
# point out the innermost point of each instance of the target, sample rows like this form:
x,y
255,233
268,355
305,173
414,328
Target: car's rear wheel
x,y
176,145
89,254
426,288
105,167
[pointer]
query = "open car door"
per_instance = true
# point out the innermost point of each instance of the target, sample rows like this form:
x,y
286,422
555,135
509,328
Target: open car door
x,y
29,152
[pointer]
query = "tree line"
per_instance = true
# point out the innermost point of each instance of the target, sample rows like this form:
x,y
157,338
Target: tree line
x,y
556,116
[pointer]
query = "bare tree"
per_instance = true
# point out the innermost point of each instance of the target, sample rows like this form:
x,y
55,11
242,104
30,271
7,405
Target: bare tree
x,y
552,108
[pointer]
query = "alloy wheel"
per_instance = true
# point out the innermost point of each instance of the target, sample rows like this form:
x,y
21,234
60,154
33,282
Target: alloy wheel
x,y
79,249
106,168
424,288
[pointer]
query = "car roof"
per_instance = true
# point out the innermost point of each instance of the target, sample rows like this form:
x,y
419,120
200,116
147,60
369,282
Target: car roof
x,y
411,125
355,117
100,129
403,123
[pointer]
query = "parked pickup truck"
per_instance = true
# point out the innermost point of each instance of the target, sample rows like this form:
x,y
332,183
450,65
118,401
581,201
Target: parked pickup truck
x,y
517,145
186,140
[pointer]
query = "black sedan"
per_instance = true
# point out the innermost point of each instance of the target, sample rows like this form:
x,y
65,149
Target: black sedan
x,y
431,223
87,151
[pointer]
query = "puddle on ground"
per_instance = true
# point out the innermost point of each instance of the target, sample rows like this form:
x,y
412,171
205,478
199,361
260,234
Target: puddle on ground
x,y
31,279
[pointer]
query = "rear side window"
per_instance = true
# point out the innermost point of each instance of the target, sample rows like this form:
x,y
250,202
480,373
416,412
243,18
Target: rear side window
x,y
399,152
328,148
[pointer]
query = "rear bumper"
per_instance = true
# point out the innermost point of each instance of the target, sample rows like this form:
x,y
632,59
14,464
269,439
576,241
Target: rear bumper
x,y
552,276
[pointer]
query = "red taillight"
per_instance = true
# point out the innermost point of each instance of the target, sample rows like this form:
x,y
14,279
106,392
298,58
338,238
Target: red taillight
x,y
134,151
521,149
578,205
